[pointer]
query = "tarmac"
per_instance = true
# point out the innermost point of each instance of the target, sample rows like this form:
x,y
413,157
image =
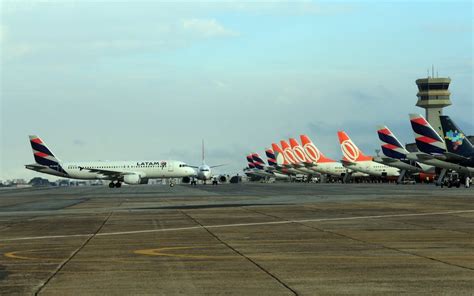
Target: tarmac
x,y
237,239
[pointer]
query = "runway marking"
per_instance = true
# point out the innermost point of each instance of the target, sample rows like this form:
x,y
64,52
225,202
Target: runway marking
x,y
163,252
237,225
14,255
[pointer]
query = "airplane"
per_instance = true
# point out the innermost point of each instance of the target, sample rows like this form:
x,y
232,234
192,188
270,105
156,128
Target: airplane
x,y
395,155
129,172
323,164
204,173
356,160
433,149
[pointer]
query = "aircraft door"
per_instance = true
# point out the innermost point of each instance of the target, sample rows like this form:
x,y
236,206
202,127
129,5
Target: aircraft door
x,y
170,166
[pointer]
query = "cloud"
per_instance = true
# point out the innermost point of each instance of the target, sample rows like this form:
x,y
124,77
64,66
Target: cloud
x,y
206,28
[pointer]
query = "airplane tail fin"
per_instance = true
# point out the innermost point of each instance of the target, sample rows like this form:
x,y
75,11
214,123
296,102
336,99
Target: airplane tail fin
x,y
258,161
312,152
350,151
426,138
456,141
298,151
279,156
202,152
288,153
43,154
391,146
271,159
250,163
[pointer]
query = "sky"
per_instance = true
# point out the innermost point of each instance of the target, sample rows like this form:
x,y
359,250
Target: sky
x,y
131,80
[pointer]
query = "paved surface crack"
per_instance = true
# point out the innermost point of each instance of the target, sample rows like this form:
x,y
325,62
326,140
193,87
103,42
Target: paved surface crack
x,y
73,254
281,282
366,242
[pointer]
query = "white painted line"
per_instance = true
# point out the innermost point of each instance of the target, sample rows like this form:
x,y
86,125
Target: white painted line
x,y
238,225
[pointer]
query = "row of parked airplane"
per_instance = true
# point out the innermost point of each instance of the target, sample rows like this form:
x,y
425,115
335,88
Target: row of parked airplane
x,y
436,155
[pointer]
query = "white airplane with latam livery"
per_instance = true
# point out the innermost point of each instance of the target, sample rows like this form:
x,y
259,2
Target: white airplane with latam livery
x,y
356,160
129,172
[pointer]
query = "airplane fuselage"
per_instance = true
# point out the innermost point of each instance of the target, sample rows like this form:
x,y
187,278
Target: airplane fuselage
x,y
373,168
146,169
204,173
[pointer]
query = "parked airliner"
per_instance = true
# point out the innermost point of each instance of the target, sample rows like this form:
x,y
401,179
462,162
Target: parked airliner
x,y
356,160
129,172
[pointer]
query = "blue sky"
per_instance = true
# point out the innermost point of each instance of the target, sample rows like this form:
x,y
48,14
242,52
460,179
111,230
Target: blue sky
x,y
149,80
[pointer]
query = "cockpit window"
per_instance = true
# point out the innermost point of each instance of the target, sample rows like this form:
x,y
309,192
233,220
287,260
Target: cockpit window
x,y
204,170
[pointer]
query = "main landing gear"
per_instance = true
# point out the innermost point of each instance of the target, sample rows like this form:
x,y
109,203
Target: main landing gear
x,y
171,183
115,184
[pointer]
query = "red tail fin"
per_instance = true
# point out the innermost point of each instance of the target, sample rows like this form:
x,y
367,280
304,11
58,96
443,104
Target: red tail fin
x,y
312,151
350,151
289,155
298,151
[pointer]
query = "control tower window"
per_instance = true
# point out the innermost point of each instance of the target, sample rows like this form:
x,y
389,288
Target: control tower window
x,y
438,86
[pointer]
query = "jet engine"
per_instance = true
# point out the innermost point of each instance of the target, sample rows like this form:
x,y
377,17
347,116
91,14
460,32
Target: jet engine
x,y
186,180
222,178
135,179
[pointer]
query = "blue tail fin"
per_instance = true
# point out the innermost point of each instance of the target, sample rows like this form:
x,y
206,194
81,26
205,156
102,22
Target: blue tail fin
x,y
456,140
43,155
390,145
426,138
270,157
258,161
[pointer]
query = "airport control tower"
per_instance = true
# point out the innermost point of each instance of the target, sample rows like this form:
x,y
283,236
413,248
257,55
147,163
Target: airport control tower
x,y
433,95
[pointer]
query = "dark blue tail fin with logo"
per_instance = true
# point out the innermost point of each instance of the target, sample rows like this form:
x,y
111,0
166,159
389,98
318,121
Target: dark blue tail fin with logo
x,y
456,141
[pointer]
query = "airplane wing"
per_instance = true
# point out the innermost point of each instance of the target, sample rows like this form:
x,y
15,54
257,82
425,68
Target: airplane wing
x,y
107,173
192,166
215,166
